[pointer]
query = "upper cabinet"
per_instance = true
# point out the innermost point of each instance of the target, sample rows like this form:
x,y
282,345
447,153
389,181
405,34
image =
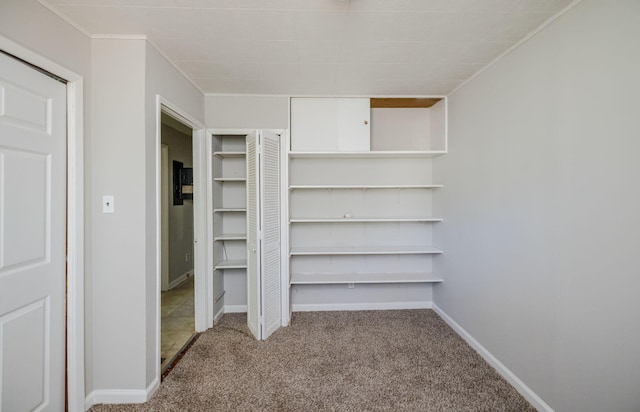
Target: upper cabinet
x,y
368,125
330,124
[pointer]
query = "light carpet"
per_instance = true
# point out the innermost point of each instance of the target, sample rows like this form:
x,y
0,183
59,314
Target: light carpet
x,y
405,360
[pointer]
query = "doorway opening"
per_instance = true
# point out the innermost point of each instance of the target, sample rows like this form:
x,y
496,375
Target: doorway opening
x,y
177,298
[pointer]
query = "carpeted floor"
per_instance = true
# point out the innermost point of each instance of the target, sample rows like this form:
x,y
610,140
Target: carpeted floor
x,y
407,360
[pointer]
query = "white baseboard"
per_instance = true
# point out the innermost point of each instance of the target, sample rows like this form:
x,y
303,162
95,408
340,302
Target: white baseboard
x,y
115,396
325,307
179,280
235,308
520,386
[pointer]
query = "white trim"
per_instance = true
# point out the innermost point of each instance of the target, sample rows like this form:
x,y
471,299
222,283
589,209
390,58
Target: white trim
x,y
117,396
165,191
326,307
206,169
285,304
235,308
182,278
152,44
520,386
75,220
165,106
289,95
218,315
120,36
518,44
182,72
58,13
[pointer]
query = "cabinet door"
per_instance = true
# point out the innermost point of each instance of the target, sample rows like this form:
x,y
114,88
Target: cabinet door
x,y
330,124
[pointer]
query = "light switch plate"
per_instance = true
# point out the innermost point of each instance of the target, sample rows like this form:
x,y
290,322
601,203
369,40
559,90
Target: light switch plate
x,y
107,204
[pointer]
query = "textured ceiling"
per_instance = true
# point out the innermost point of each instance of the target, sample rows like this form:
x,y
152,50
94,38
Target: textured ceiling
x,y
320,47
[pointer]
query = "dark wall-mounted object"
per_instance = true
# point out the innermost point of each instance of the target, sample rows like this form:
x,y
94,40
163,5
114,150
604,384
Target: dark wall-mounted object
x,y
182,183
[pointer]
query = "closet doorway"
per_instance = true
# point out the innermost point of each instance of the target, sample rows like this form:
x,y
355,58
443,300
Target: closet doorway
x,y
177,308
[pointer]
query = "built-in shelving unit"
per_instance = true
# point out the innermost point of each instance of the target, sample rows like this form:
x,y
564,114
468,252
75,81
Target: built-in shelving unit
x,y
229,214
222,155
230,236
315,278
361,200
364,250
231,264
366,220
368,155
363,186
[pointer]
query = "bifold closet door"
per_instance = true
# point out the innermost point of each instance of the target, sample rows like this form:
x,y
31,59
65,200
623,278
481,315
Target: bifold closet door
x,y
270,222
263,234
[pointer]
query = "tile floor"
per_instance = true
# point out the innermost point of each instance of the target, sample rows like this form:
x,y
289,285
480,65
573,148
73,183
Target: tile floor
x,y
177,320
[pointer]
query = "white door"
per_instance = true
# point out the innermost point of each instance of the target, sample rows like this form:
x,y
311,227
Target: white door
x,y
32,239
270,240
264,314
253,247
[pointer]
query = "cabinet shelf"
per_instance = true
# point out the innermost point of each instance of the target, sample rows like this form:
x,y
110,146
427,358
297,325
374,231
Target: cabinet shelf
x,y
367,155
229,209
342,278
230,236
230,179
230,264
324,187
224,154
373,250
365,220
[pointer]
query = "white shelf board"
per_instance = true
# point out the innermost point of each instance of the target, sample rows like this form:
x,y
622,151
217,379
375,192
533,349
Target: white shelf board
x,y
365,220
231,264
324,187
224,154
229,209
230,179
373,250
368,155
339,278
230,236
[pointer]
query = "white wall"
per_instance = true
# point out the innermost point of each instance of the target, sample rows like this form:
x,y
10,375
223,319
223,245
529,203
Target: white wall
x,y
124,243
541,202
247,112
118,244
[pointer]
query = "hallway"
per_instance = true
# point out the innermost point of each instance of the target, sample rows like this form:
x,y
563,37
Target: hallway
x,y
178,320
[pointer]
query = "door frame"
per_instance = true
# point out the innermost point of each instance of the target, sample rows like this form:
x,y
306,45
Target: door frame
x,y
75,218
201,267
164,216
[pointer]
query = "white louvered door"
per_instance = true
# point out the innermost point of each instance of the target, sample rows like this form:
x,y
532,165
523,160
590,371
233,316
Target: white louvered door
x,y
263,234
253,242
270,225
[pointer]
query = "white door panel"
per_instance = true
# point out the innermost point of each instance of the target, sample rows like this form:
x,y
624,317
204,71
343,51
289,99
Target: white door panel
x,y
270,219
263,234
32,238
253,249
